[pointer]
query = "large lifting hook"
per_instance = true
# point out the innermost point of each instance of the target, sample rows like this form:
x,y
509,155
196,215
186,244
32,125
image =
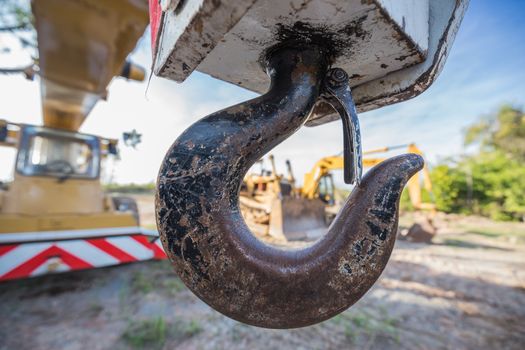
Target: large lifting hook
x,y
211,247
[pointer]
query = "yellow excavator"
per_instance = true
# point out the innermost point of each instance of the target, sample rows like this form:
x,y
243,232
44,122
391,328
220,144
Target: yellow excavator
x,y
54,214
318,184
273,205
314,182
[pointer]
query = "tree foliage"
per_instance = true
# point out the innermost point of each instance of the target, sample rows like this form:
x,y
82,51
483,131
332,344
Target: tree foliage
x,y
16,22
15,15
503,132
491,182
449,187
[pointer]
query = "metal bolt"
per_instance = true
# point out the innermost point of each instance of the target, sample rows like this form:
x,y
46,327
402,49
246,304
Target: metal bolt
x,y
336,77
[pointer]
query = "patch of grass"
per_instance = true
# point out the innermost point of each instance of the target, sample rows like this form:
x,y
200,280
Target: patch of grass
x,y
458,243
356,323
238,331
184,329
350,333
349,329
95,308
497,230
519,235
152,333
465,243
159,275
193,328
338,319
161,267
173,285
390,328
123,296
360,320
236,334
141,283
164,277
146,334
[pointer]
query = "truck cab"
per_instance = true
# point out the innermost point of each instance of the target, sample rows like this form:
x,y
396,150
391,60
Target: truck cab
x,y
56,182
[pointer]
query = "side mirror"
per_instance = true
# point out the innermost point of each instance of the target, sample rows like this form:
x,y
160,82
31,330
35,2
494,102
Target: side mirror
x,y
132,138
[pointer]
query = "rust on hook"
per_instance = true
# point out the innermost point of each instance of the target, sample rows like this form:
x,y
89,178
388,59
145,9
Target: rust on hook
x,y
208,242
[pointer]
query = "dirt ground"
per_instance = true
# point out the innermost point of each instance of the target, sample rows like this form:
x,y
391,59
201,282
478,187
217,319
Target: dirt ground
x,y
464,291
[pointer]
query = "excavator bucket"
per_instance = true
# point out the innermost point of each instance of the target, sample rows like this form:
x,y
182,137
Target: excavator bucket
x,y
294,219
284,218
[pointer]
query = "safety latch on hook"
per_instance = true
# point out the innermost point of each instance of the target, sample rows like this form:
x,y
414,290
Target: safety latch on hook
x,y
338,94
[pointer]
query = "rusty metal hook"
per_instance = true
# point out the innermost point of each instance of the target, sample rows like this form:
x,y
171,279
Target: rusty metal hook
x,y
208,242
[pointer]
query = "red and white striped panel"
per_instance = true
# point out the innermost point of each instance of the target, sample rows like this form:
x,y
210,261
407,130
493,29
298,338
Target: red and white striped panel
x,y
37,258
158,249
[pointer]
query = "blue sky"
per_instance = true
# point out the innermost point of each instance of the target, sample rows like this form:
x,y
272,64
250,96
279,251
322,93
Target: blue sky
x,y
485,69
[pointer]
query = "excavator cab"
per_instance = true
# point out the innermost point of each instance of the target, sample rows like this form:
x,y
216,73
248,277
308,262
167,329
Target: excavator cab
x,y
275,211
326,191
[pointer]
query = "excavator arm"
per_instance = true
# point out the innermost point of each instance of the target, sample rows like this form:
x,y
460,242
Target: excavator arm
x,y
324,166
414,185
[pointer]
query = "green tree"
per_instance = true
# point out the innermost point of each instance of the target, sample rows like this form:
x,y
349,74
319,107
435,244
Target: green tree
x,y
491,182
450,189
503,131
15,15
498,183
16,20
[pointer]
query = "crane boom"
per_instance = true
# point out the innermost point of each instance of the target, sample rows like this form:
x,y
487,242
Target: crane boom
x,y
82,45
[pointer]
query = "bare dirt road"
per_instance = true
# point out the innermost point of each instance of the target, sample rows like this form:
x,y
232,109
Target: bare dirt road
x,y
465,291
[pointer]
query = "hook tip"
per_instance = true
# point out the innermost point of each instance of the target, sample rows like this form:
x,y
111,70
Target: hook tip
x,y
414,161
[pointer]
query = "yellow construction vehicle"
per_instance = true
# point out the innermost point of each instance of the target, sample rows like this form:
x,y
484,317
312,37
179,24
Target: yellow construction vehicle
x,y
270,205
56,182
54,214
273,205
318,184
315,181
414,184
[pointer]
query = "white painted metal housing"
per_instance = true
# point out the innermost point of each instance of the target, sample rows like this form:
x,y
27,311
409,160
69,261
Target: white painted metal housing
x,y
392,49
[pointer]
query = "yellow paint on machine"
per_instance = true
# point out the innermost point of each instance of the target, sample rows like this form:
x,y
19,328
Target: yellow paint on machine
x,y
14,223
56,184
82,46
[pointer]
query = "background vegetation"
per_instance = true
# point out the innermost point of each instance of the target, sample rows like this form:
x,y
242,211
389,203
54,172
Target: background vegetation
x,y
491,181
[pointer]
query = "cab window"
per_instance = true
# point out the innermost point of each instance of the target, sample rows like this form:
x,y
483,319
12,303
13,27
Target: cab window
x,y
59,154
326,189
